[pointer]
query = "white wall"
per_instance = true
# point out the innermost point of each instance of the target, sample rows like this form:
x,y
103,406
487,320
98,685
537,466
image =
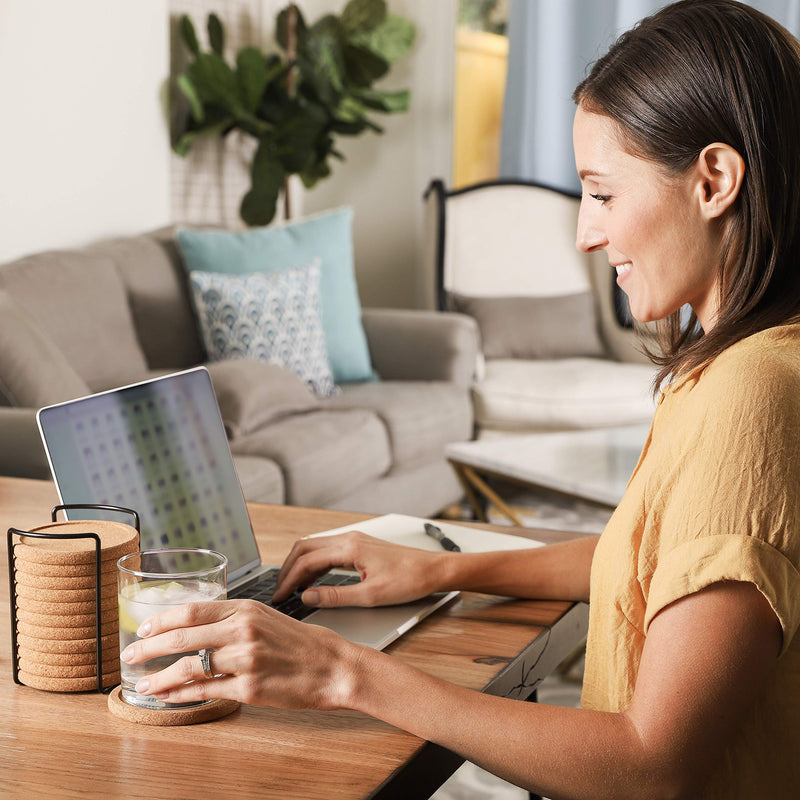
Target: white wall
x,y
84,149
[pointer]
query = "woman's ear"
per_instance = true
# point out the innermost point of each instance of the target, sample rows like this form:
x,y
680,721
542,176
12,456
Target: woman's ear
x,y
721,172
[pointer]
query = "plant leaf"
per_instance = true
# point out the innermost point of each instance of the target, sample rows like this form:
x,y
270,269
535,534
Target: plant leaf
x,y
188,34
267,177
216,33
363,67
185,85
391,40
281,28
362,16
388,102
253,75
321,60
215,82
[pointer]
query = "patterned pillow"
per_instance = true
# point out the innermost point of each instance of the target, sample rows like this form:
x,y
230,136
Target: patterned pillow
x,y
268,317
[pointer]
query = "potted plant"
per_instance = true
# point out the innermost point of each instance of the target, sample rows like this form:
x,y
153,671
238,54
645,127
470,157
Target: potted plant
x,y
296,102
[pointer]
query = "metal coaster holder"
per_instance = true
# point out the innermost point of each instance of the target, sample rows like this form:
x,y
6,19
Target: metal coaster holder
x,y
12,581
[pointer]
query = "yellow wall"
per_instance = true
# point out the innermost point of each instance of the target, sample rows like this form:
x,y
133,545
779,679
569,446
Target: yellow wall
x,y
481,65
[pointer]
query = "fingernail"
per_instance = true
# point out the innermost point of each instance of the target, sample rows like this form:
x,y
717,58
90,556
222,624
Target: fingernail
x,y
127,653
143,630
311,597
163,696
142,686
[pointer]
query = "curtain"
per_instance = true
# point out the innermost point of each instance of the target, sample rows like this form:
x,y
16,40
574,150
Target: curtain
x,y
551,43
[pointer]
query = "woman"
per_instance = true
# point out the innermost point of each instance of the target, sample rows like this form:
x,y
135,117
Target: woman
x,y
685,142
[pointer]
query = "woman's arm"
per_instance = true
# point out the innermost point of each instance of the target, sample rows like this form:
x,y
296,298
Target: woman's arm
x,y
393,574
705,660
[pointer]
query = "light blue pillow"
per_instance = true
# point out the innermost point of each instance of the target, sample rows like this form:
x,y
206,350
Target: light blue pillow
x,y
278,247
274,318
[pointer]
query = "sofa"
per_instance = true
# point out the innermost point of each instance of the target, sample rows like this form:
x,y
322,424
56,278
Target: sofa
x,y
75,322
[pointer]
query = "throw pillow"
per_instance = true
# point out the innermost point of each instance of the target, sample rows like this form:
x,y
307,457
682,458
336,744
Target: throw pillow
x,y
534,327
252,394
273,318
33,371
277,247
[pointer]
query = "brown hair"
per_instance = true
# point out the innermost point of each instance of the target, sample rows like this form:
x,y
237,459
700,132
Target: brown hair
x,y
704,71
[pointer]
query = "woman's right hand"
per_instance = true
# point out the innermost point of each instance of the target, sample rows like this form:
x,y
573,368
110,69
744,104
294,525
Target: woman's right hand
x,y
390,573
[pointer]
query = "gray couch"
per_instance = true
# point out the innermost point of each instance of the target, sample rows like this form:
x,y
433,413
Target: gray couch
x,y
79,321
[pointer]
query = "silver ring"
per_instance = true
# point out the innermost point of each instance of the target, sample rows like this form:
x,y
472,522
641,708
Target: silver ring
x,y
205,662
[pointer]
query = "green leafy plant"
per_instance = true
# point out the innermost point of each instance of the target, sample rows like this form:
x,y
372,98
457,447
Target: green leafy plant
x,y
297,101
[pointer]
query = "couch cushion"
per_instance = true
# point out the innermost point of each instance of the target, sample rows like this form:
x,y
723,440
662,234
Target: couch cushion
x,y
33,371
152,271
252,394
421,417
562,395
534,327
261,479
278,247
273,318
79,300
323,454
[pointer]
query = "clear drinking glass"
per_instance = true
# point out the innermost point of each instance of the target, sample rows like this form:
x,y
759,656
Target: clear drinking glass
x,y
151,582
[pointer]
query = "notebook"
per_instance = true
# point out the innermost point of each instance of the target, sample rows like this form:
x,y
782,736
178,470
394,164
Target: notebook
x,y
159,447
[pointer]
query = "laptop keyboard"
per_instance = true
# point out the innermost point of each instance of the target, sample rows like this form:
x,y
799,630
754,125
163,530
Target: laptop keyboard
x,y
292,606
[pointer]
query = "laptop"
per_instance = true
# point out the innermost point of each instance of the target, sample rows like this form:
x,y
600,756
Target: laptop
x,y
159,447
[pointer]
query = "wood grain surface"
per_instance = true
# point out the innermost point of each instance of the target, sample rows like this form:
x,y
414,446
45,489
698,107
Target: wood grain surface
x,y
70,746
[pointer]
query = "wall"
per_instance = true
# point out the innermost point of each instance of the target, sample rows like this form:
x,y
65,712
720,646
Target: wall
x,y
84,151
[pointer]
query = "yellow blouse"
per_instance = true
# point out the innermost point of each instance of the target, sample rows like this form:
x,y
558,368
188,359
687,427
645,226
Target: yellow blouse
x,y
715,496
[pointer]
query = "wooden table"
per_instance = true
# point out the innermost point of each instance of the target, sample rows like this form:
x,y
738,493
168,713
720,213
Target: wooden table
x,y
70,746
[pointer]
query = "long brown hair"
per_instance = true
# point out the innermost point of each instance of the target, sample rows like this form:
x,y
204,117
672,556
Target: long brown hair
x,y
704,71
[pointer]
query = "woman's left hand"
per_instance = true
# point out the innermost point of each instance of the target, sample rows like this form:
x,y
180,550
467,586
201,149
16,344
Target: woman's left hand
x,y
263,656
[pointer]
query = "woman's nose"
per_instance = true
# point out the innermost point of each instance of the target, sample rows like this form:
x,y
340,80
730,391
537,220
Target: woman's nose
x,y
589,237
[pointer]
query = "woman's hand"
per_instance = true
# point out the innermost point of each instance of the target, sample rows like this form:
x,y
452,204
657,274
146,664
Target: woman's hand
x,y
389,573
265,657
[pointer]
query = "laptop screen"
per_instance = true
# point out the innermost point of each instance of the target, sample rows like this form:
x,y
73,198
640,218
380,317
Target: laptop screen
x,y
158,447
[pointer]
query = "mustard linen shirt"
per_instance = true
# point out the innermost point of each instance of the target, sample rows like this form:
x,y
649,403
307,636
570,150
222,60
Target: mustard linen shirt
x,y
715,496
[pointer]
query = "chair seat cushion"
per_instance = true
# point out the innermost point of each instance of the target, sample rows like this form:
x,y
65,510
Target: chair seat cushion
x,y
563,395
421,417
324,454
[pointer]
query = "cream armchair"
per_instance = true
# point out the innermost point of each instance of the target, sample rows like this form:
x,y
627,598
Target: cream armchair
x,y
555,352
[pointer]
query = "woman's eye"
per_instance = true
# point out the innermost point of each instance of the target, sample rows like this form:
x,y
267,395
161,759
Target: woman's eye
x,y
602,198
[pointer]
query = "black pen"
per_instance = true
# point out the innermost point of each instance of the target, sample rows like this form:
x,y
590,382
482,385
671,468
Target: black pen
x,y
444,541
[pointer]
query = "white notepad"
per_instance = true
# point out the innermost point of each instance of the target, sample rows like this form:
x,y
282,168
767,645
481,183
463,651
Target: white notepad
x,y
410,531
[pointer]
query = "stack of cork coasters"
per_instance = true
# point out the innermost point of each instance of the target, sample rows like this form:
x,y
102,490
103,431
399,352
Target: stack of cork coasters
x,y
54,597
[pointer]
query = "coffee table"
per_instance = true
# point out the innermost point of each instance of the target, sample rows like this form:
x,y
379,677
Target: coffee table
x,y
592,465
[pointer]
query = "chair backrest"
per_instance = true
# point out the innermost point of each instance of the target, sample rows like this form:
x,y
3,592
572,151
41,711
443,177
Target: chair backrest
x,y
507,239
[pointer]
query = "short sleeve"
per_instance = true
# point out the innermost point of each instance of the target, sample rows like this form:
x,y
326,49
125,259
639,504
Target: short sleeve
x,y
728,507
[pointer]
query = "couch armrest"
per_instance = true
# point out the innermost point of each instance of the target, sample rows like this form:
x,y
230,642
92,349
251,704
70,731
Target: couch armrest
x,y
22,453
407,344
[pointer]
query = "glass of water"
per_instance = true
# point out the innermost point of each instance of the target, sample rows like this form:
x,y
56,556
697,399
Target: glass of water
x,y
153,581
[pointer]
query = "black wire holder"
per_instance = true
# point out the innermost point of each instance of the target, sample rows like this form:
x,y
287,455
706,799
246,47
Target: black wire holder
x,y
12,580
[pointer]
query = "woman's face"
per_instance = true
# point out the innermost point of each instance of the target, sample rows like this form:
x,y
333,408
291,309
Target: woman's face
x,y
664,250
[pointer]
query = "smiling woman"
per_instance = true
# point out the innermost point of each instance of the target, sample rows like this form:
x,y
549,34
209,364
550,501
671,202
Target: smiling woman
x,y
685,138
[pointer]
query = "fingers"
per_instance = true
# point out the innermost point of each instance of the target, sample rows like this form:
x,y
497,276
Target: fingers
x,y
190,614
357,594
311,558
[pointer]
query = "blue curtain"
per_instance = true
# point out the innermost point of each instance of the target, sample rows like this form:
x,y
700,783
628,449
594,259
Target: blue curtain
x,y
551,43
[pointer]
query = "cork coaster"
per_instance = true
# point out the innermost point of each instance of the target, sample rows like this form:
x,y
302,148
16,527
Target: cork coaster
x,y
65,595
116,539
66,582
108,655
85,645
107,617
65,634
86,572
64,608
214,709
33,667
67,684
